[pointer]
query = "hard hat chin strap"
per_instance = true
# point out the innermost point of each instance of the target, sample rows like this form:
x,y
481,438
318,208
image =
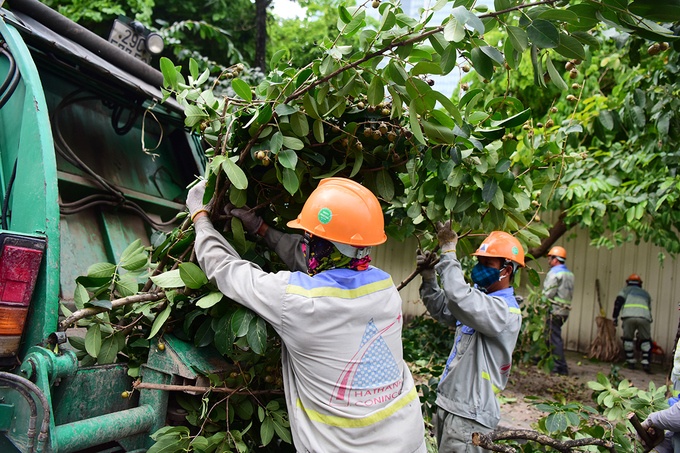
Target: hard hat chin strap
x,y
351,251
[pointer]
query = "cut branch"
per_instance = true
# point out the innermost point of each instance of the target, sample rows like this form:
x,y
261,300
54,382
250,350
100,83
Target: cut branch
x,y
91,311
488,440
201,389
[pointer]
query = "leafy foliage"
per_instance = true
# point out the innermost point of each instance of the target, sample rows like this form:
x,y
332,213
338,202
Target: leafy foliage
x,y
365,110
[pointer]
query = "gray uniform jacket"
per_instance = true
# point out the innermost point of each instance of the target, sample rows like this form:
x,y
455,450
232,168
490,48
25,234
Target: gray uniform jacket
x,y
346,384
558,286
667,419
638,303
487,327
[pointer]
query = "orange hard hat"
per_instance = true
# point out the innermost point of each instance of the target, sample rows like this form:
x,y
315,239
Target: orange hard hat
x,y
634,278
344,211
500,244
558,251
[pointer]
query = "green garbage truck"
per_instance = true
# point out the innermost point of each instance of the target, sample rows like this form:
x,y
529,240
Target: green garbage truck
x,y
90,160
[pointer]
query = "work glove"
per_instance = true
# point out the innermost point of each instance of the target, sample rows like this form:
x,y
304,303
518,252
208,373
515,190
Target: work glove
x,y
195,200
251,221
446,236
425,262
616,322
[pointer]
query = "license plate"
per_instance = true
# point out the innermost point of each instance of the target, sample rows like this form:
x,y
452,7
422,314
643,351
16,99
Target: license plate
x,y
124,37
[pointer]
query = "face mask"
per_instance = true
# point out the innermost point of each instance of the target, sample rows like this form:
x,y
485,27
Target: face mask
x,y
485,276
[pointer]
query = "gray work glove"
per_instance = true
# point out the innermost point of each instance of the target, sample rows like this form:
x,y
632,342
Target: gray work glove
x,y
195,200
425,262
251,221
446,236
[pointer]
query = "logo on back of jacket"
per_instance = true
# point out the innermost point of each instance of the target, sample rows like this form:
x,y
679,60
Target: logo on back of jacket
x,y
372,376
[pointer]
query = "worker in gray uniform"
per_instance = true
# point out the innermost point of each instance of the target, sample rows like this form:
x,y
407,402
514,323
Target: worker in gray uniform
x,y
487,318
558,288
634,305
346,385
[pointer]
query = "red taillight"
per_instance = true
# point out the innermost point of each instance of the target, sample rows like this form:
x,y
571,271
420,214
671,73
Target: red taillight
x,y
20,259
19,267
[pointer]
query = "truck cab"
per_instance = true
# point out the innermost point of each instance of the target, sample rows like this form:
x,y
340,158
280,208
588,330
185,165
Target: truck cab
x,y
90,160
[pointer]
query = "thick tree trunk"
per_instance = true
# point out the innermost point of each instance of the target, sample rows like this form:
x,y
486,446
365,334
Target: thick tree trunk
x,y
261,36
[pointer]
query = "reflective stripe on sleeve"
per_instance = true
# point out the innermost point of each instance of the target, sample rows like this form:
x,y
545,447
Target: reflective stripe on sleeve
x,y
340,292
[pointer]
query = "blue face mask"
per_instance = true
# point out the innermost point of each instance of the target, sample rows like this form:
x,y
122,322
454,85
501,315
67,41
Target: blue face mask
x,y
485,276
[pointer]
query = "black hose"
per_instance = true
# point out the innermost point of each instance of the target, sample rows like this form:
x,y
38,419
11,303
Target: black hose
x,y
115,119
12,81
4,50
5,201
26,388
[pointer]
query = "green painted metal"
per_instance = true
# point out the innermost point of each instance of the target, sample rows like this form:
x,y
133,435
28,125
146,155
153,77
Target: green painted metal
x,y
34,199
6,415
105,428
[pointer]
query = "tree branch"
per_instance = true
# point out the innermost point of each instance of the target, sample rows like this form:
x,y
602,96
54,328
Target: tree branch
x,y
555,233
91,311
487,440
200,389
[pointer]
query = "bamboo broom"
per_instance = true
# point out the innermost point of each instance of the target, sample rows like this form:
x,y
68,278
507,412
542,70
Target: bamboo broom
x,y
606,346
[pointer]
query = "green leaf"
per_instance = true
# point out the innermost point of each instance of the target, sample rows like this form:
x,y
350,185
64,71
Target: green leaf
x,y
133,249
543,34
555,76
276,58
376,91
101,270
288,158
209,299
192,275
489,190
570,47
235,174
267,431
169,73
285,109
385,185
93,340
80,296
193,68
169,279
242,89
556,422
299,124
159,322
126,285
415,125
454,31
514,120
257,335
110,348
290,180
318,131
293,143
136,262
518,38
101,303
482,63
240,321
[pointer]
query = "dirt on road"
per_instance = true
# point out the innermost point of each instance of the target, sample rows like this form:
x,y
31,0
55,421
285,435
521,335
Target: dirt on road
x,y
526,380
